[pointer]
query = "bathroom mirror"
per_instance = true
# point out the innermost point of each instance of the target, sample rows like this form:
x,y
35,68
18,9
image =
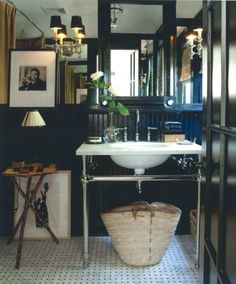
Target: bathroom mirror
x,y
188,70
133,62
73,77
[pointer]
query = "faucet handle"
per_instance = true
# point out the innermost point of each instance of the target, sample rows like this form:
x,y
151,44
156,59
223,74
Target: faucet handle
x,y
137,115
149,132
125,133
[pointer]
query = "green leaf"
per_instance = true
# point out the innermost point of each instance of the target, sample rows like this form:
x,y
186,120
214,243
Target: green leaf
x,y
122,109
106,98
111,105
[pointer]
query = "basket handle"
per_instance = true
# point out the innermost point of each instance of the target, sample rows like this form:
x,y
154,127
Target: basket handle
x,y
142,205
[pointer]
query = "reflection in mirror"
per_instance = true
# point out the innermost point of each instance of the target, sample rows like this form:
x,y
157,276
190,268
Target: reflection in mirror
x,y
189,70
136,19
146,69
160,69
133,29
133,75
134,71
73,77
124,68
75,83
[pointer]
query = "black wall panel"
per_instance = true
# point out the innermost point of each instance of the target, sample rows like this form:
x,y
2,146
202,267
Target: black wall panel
x,y
67,126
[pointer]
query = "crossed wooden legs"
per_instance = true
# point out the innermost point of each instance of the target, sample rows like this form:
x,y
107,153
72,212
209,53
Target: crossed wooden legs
x,y
28,197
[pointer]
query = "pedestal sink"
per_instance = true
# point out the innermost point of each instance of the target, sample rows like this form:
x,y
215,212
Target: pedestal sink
x,y
139,155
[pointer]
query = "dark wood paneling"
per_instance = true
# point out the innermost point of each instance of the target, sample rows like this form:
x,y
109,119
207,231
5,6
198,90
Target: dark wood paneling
x,y
192,123
66,128
56,143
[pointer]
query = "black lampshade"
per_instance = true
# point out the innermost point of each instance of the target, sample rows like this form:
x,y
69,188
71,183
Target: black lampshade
x,y
76,22
55,22
62,31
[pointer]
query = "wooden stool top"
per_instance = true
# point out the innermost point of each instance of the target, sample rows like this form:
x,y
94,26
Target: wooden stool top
x,y
30,170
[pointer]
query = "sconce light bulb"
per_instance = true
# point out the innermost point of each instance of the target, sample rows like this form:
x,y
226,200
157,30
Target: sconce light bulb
x,y
76,35
199,33
55,32
191,38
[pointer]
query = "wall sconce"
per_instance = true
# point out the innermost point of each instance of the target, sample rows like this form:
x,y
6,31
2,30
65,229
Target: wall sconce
x,y
169,101
67,46
195,42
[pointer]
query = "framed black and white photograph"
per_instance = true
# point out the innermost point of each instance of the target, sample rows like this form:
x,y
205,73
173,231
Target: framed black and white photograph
x,y
32,78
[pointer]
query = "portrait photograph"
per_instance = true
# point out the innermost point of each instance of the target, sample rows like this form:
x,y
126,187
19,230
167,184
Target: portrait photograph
x,y
33,78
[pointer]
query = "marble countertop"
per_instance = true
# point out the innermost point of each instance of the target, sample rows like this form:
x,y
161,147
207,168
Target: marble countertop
x,y
139,148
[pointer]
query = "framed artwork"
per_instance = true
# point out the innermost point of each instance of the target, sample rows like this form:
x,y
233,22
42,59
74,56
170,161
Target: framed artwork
x,y
81,95
52,202
32,78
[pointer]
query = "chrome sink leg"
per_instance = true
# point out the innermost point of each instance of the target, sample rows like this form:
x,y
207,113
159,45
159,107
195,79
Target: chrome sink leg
x,y
85,214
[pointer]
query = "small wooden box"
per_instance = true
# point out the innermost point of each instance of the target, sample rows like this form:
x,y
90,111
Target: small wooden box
x,y
173,137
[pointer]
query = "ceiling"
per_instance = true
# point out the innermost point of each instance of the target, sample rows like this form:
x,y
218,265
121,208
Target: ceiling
x,y
135,18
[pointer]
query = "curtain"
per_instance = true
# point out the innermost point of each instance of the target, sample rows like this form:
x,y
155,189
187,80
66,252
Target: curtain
x,y
31,43
69,84
186,65
7,40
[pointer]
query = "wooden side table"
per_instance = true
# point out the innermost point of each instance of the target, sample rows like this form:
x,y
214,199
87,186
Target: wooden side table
x,y
29,197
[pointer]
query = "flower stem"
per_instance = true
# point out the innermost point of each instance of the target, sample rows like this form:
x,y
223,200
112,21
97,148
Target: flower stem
x,y
110,119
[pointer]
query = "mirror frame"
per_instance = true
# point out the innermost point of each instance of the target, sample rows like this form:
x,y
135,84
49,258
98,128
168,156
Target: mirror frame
x,y
167,34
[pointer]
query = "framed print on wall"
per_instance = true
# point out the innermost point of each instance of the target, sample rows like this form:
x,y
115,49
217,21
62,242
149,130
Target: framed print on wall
x,y
52,202
32,78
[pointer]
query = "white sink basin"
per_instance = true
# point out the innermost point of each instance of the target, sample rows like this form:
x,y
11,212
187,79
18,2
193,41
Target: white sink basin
x,y
140,155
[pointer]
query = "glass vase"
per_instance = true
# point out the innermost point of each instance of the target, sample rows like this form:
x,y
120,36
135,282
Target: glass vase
x,y
111,133
93,99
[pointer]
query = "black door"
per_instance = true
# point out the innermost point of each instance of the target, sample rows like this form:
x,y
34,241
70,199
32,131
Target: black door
x,y
219,205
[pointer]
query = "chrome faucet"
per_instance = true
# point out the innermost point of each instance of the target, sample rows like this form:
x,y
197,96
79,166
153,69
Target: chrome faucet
x,y
137,126
149,132
125,133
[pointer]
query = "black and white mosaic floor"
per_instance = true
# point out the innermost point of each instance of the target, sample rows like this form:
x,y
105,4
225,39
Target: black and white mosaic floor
x,y
46,262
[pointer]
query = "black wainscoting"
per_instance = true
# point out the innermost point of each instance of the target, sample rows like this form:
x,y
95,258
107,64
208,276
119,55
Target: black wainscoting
x,y
67,127
56,143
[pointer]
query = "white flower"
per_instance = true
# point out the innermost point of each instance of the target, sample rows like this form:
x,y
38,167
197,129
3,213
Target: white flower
x,y
112,90
96,75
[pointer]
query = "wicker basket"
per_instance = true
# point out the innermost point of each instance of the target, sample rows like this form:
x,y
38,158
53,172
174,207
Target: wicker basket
x,y
193,222
141,232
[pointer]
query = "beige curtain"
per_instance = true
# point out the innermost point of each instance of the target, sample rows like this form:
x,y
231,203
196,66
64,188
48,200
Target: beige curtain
x,y
69,84
31,43
7,40
186,65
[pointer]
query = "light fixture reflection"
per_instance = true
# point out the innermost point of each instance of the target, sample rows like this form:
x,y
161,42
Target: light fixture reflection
x,y
195,42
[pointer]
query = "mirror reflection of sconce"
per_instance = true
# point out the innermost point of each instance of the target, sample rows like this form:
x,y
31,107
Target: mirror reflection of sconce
x,y
169,101
116,11
195,42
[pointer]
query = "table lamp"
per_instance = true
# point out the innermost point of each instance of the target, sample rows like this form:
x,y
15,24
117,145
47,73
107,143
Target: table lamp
x,y
33,119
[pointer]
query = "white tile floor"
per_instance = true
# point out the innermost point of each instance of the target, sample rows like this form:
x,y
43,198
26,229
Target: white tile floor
x,y
46,262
